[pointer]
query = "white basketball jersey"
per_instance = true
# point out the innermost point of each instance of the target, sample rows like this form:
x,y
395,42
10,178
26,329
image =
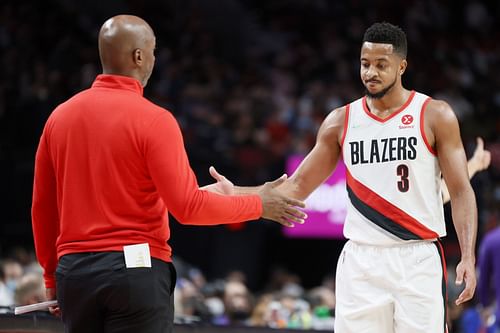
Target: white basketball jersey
x,y
393,176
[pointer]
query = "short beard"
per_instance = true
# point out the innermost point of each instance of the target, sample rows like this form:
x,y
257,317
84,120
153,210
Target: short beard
x,y
381,93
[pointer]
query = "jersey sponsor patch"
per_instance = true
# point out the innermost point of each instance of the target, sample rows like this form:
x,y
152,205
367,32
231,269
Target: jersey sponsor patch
x,y
406,122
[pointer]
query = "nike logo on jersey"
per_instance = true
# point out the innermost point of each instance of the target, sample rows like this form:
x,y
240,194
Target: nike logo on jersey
x,y
383,150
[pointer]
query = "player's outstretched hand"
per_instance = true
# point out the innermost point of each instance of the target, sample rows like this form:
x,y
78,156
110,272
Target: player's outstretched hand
x,y
278,207
466,272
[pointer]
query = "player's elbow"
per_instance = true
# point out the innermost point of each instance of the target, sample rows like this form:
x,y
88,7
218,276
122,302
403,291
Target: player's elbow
x,y
464,192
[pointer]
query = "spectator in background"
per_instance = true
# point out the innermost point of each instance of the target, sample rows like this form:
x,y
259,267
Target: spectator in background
x,y
238,304
190,302
322,300
6,295
479,161
13,271
489,277
259,316
30,290
322,297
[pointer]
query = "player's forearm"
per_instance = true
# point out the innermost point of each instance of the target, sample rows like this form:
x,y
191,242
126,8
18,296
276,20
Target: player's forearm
x,y
472,169
245,190
290,188
464,214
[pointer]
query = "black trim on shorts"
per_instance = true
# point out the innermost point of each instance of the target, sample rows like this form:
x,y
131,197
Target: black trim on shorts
x,y
444,289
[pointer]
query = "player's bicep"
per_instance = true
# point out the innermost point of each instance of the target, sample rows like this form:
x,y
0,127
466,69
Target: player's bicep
x,y
321,161
450,150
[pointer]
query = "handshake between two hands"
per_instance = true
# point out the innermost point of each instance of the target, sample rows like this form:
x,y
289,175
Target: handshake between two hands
x,y
276,206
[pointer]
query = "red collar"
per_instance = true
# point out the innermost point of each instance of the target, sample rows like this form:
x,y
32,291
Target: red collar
x,y
117,82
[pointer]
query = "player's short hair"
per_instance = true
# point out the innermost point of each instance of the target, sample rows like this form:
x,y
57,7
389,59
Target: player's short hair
x,y
387,33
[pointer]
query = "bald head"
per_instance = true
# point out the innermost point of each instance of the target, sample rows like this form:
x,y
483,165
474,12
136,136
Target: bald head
x,y
126,47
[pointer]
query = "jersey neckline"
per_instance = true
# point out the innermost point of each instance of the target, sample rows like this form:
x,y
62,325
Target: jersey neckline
x,y
395,113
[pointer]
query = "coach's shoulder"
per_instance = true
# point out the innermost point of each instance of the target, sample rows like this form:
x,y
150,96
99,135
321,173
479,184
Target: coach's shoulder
x,y
154,108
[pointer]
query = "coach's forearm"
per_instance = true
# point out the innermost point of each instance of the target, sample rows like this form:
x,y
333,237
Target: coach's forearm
x,y
464,213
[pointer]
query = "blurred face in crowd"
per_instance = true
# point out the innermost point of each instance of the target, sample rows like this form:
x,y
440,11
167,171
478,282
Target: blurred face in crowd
x,y
30,289
13,272
236,300
381,68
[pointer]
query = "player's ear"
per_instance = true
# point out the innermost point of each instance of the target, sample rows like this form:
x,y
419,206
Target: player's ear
x,y
402,66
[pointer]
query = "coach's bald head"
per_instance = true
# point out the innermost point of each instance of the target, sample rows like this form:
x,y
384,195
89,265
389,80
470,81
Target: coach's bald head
x,y
126,47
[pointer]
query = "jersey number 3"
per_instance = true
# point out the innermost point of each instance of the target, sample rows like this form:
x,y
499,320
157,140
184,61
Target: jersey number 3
x,y
403,183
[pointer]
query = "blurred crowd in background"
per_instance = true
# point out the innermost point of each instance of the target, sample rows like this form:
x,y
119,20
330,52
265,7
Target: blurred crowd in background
x,y
250,82
283,303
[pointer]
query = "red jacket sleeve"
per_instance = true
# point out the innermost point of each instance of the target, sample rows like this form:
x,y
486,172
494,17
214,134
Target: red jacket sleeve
x,y
45,217
176,182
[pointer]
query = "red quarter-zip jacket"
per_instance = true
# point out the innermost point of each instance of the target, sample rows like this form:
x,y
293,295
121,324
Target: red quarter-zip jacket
x,y
109,167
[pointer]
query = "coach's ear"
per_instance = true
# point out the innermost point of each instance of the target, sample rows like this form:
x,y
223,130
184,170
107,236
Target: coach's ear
x,y
137,56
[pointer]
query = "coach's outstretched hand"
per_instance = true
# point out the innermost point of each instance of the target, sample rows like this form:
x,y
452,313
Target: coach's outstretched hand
x,y
275,205
279,208
222,186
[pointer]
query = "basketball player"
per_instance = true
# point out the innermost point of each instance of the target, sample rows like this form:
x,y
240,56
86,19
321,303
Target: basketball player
x,y
391,274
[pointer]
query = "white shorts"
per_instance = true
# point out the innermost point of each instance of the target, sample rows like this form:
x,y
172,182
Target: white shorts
x,y
397,289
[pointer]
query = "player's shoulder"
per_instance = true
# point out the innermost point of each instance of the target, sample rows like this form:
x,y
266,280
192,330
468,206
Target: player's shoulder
x,y
439,111
337,115
332,127
438,105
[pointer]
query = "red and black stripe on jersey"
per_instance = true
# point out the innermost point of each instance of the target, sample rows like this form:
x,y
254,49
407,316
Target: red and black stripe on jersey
x,y
385,214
